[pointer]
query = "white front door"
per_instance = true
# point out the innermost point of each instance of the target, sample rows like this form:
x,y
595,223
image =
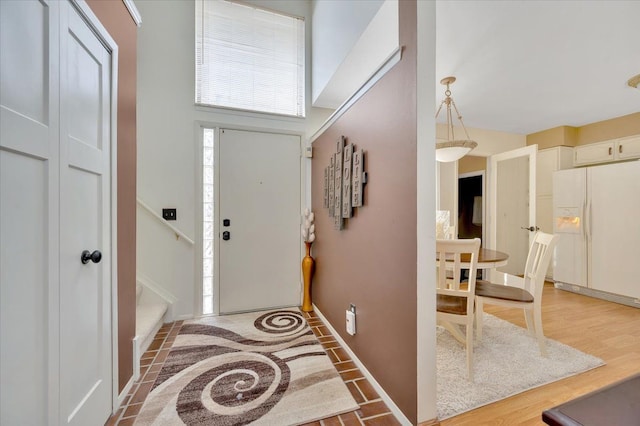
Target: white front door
x,y
85,162
259,184
512,205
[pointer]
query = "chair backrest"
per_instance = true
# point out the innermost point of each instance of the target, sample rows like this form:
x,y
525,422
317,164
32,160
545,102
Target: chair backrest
x,y
535,269
450,257
451,233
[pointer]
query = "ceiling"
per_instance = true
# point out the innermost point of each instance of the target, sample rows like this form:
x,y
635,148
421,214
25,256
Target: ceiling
x,y
527,66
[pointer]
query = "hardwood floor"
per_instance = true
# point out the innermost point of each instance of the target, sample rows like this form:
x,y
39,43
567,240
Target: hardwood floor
x,y
604,329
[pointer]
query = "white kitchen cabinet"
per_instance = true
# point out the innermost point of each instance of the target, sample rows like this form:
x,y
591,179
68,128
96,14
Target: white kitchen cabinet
x,y
548,161
613,150
628,147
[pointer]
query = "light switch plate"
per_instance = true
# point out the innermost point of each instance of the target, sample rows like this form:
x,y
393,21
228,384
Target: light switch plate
x,y
169,214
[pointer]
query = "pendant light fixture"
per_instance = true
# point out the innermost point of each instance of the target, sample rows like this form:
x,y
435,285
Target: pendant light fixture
x,y
452,149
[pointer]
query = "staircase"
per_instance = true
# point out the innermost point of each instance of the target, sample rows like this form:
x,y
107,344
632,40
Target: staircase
x,y
151,310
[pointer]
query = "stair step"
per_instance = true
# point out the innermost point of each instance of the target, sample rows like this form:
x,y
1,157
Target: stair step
x,y
149,319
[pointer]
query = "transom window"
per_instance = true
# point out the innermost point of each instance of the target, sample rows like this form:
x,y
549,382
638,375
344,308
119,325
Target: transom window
x,y
249,58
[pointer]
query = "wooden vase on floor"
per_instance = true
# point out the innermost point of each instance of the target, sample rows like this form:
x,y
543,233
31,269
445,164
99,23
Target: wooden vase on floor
x,y
308,266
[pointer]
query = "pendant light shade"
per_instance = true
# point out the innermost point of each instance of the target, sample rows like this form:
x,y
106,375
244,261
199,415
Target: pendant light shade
x,y
452,149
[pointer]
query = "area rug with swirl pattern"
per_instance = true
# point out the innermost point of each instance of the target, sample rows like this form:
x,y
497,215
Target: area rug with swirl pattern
x,y
260,368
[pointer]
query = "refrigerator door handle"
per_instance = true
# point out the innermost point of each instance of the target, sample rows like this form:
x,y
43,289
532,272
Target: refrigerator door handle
x,y
584,219
588,222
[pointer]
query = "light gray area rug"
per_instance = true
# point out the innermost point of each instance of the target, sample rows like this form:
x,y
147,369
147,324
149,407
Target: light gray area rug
x,y
506,362
264,368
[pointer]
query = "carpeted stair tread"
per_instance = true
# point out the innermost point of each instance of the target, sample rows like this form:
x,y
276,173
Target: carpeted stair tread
x,y
147,316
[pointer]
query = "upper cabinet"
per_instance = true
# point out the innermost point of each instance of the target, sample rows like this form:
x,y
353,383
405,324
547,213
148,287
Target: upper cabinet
x,y
548,161
628,147
613,150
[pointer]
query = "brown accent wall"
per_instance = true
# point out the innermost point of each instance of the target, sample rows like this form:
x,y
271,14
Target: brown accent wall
x,y
372,262
115,17
627,125
471,163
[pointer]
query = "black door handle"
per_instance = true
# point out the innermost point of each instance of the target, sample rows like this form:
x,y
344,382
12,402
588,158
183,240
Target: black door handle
x,y
87,256
226,235
531,228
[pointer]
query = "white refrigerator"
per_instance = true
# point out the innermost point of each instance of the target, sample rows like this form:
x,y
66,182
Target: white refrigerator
x,y
597,218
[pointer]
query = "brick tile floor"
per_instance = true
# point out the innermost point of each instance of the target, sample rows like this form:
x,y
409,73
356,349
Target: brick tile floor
x,y
373,411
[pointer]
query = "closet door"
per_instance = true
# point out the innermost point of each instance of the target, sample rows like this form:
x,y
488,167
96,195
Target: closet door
x,y
55,311
28,212
85,285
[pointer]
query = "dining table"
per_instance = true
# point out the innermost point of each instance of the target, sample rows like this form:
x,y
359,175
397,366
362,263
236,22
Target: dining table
x,y
487,259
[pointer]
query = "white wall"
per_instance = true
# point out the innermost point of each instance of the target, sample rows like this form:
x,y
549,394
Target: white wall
x,y
489,141
342,23
167,143
426,213
447,193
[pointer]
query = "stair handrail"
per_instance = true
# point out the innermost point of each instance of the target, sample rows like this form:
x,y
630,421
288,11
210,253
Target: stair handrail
x,y
159,218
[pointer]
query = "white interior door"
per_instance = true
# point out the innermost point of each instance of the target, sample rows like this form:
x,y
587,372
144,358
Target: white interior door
x,y
55,358
85,288
28,211
259,187
512,205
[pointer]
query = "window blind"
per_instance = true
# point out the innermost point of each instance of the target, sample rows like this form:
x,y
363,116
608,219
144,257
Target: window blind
x,y
249,58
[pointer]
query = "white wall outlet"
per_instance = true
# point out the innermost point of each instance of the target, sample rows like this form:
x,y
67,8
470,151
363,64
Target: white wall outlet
x,y
351,322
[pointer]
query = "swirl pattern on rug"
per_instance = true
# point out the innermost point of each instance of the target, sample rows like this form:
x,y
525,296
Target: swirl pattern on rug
x,y
255,368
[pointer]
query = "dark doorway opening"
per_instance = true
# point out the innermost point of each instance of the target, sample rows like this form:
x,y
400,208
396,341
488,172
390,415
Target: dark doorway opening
x,y
470,209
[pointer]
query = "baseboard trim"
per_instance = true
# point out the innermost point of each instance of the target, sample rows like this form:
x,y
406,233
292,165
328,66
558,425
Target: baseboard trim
x,y
183,317
136,359
385,397
125,392
609,297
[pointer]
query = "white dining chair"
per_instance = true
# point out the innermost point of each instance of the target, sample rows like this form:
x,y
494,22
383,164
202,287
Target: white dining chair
x,y
455,303
521,292
451,233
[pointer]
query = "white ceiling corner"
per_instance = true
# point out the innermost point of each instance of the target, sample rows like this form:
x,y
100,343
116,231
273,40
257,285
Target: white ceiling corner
x,y
527,66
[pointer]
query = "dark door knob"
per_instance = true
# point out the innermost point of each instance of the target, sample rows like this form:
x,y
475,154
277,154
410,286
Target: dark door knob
x,y
226,235
87,256
531,228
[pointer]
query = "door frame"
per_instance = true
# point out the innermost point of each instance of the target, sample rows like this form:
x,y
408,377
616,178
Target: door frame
x,y
109,43
447,183
531,152
305,189
483,176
